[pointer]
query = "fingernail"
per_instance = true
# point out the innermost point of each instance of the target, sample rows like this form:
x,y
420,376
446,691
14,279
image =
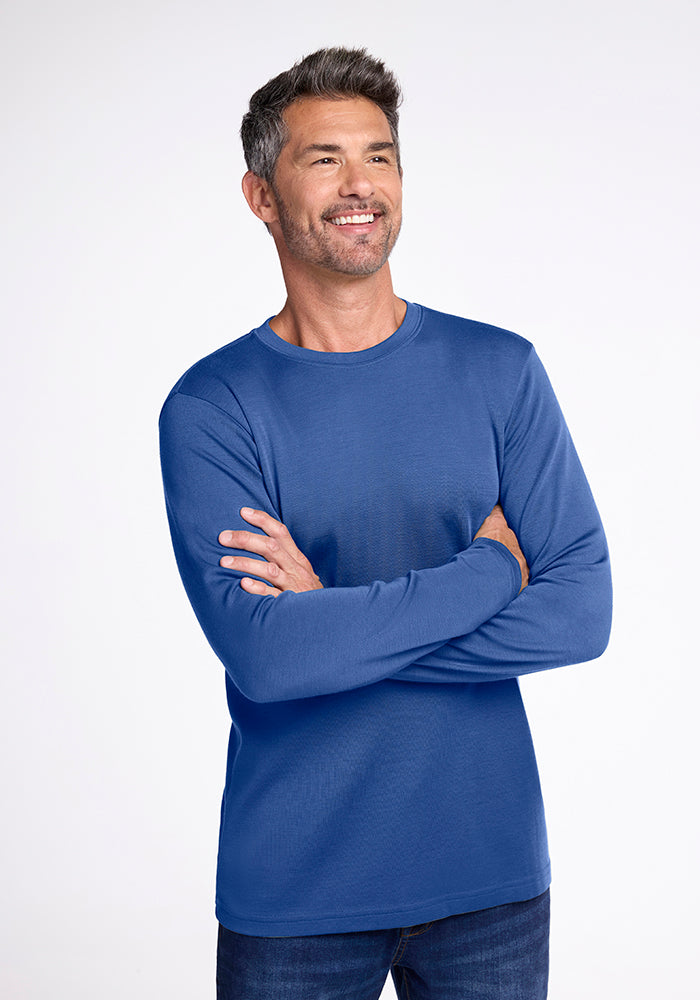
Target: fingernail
x,y
227,561
245,511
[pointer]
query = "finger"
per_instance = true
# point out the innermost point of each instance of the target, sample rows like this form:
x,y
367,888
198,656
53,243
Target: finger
x,y
258,587
270,525
262,519
278,565
275,529
270,571
249,541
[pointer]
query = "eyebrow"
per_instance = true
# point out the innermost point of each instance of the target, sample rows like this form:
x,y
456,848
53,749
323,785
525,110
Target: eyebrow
x,y
331,147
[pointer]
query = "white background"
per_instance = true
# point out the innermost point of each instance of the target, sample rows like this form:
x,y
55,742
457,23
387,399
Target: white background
x,y
551,169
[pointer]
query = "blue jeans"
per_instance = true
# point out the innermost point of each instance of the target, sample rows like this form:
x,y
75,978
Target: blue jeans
x,y
501,953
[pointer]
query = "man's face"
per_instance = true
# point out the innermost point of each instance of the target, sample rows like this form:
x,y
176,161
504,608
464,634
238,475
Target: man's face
x,y
337,186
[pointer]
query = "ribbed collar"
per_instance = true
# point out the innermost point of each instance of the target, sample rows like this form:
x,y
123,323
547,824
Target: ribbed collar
x,y
404,333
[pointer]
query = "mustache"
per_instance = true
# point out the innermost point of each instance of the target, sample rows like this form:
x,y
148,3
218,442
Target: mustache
x,y
355,208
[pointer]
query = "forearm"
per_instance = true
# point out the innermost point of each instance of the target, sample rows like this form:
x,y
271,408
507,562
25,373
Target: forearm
x,y
299,645
334,639
553,623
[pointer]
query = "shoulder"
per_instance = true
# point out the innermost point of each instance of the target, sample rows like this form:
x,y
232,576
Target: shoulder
x,y
476,336
491,355
216,378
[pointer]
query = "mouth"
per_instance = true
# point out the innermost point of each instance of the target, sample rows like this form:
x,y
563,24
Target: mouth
x,y
358,219
364,219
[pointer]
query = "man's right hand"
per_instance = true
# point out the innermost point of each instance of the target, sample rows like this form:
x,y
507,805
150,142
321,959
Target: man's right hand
x,y
496,527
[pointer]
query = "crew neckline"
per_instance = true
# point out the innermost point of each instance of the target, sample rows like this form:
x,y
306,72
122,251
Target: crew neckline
x,y
404,332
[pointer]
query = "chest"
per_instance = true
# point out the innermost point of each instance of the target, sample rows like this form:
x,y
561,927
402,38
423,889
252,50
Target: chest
x,y
375,476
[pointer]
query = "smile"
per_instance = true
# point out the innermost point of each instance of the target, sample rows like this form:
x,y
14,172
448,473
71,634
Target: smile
x,y
354,220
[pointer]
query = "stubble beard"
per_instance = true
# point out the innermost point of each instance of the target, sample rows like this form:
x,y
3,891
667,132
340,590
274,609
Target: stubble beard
x,y
315,245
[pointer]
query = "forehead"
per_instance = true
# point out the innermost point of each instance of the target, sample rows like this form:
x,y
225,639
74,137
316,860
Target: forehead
x,y
321,120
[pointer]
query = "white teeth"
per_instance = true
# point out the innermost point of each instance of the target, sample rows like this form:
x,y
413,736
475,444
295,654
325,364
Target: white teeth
x,y
356,220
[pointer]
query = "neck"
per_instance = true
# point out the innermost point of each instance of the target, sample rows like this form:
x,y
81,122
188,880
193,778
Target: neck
x,y
335,312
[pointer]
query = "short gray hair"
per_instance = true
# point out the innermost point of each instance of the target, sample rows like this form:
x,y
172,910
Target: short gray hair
x,y
329,73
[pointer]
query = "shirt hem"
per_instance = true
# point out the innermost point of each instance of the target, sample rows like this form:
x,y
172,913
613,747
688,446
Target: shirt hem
x,y
436,909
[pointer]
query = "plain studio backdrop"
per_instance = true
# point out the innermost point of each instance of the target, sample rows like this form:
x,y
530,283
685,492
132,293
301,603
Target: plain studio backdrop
x,y
551,169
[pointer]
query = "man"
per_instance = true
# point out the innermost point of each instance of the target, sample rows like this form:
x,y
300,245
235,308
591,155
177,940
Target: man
x,y
381,522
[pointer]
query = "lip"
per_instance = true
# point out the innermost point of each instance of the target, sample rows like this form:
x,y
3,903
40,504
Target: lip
x,y
354,227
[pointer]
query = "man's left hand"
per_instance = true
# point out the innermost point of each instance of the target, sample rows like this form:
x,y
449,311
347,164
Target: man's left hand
x,y
285,567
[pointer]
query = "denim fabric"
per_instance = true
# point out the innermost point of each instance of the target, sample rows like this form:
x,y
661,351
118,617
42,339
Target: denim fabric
x,y
501,953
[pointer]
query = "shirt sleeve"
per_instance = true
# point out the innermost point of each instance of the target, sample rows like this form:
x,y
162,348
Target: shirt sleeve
x,y
564,615
321,641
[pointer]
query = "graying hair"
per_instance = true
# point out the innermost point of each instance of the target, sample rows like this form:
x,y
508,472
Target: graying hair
x,y
329,73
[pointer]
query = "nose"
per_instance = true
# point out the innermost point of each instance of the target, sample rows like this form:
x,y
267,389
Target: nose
x,y
355,181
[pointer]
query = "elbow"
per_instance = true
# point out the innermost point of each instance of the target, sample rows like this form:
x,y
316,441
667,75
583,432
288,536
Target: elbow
x,y
595,640
592,625
261,677
263,668
254,681
263,692
255,694
582,638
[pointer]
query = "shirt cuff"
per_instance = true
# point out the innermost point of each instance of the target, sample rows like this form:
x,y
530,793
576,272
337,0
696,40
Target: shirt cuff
x,y
514,565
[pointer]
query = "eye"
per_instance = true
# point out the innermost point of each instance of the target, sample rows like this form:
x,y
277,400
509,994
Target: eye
x,y
324,160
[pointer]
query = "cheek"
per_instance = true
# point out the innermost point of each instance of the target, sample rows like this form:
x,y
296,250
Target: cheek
x,y
393,195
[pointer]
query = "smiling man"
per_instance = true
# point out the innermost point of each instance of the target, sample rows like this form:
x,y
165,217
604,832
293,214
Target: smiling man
x,y
381,523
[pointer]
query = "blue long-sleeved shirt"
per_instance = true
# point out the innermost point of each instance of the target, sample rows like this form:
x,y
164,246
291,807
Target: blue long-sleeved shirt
x,y
380,770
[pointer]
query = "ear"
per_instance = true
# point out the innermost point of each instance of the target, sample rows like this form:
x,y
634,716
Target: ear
x,y
258,194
